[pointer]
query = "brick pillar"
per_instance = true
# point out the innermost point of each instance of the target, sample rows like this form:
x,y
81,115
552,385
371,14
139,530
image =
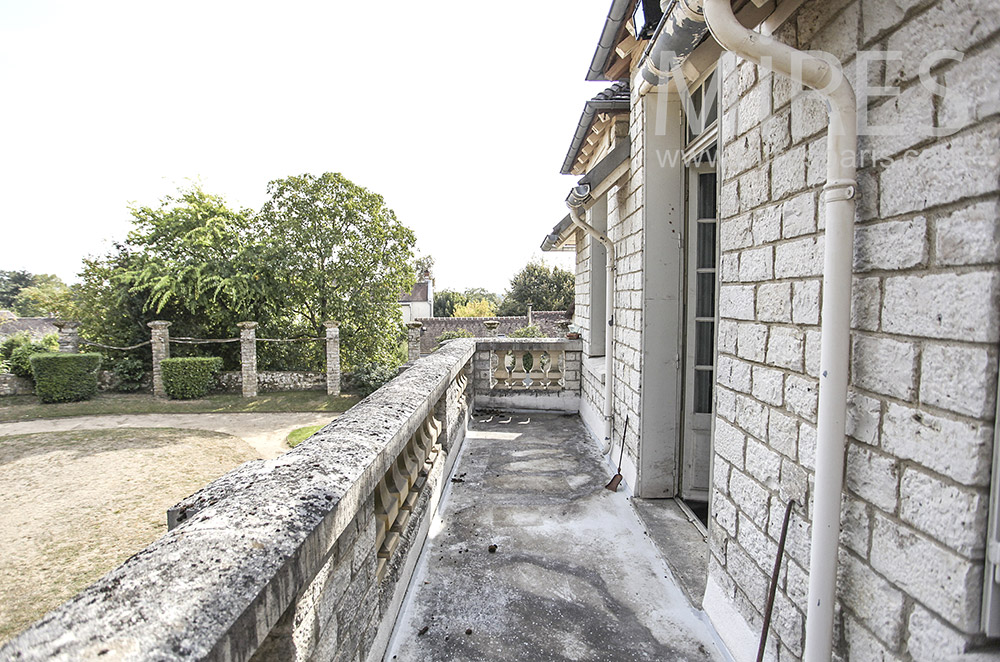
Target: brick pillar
x,y
491,328
332,358
413,340
69,336
248,357
161,350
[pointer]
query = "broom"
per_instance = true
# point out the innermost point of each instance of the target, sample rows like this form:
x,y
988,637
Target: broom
x,y
617,478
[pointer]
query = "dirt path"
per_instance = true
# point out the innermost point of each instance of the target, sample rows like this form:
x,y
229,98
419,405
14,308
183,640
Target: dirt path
x,y
265,433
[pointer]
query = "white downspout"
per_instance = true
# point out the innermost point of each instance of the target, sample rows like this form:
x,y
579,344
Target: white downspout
x,y
575,204
827,78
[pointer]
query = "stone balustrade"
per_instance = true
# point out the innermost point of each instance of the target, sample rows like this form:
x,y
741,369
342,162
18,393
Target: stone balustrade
x,y
306,556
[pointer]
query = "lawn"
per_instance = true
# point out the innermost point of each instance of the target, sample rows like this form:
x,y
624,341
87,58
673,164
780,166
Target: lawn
x,y
28,407
74,505
298,435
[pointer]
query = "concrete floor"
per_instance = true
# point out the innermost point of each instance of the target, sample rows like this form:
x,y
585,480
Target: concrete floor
x,y
573,576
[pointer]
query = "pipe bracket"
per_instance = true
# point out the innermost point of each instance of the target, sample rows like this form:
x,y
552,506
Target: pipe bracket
x,y
840,190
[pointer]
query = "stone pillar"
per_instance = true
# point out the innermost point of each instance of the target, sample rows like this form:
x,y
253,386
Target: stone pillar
x,y
332,358
491,328
69,336
161,350
248,357
530,316
413,341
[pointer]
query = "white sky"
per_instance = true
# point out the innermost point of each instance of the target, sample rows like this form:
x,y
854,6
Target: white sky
x,y
459,113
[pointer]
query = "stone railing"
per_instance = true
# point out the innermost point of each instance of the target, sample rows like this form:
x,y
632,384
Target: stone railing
x,y
528,373
306,556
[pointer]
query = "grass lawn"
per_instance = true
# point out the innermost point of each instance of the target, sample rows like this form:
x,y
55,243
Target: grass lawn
x,y
74,505
297,436
28,407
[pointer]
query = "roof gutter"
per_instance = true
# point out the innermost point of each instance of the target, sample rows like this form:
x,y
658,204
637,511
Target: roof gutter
x,y
680,31
825,75
578,196
612,25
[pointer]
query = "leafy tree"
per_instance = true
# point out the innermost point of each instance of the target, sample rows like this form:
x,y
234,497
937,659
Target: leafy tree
x,y
477,308
11,284
445,302
191,260
339,253
540,287
47,296
476,293
423,265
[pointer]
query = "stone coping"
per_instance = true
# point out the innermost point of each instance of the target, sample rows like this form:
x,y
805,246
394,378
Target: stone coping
x,y
243,547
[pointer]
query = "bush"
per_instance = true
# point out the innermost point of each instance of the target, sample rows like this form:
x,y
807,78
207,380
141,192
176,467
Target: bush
x,y
129,372
451,335
65,377
20,358
189,377
23,345
371,376
530,331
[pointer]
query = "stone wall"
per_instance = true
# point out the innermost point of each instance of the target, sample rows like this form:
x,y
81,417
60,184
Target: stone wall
x,y
106,381
432,327
276,560
924,342
274,380
14,385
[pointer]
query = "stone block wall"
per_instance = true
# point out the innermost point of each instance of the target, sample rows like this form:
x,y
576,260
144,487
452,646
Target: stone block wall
x,y
926,323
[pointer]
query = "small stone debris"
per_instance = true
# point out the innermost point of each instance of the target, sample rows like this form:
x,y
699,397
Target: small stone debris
x,y
468,631
492,549
457,480
422,631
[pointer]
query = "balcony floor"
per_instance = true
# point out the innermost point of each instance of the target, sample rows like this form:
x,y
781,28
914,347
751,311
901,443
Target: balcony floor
x,y
573,577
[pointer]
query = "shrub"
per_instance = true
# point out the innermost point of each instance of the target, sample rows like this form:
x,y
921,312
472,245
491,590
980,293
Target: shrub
x,y
129,372
24,345
65,377
530,331
20,358
451,335
189,377
370,377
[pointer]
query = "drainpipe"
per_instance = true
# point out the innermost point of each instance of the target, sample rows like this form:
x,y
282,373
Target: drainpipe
x,y
578,195
681,29
826,77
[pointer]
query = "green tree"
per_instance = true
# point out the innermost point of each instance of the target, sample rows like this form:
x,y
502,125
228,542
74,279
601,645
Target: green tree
x,y
477,308
339,253
540,287
47,296
11,284
445,302
191,260
423,265
477,293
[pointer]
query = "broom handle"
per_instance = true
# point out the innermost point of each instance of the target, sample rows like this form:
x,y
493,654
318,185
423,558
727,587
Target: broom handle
x,y
622,454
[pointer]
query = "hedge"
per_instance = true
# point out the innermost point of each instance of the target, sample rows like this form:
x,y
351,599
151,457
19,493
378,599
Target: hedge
x,y
65,377
190,377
